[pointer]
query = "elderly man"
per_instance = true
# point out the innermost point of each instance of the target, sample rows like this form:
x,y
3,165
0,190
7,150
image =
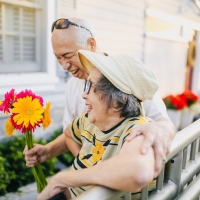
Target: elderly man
x,y
68,37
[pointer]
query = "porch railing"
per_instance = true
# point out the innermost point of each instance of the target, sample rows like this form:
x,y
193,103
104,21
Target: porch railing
x,y
180,179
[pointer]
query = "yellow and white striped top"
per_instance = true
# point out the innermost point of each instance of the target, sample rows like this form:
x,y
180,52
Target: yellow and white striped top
x,y
98,145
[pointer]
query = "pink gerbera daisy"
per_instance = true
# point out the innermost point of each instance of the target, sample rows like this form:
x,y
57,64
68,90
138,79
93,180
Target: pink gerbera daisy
x,y
6,104
29,93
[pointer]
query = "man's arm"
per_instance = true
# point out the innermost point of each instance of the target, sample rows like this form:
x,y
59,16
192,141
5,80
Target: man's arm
x,y
127,171
158,135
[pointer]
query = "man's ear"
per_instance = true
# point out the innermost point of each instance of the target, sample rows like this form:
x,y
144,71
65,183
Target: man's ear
x,y
92,44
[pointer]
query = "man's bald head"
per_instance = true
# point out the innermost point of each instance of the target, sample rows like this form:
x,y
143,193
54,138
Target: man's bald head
x,y
67,41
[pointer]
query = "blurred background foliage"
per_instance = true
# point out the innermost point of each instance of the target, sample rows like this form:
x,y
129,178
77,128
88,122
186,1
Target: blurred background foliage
x,y
13,170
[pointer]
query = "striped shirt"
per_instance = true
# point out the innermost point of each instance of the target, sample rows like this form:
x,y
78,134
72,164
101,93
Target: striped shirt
x,y
98,145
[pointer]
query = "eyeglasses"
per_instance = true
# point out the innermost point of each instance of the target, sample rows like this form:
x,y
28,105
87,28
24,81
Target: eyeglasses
x,y
88,85
64,23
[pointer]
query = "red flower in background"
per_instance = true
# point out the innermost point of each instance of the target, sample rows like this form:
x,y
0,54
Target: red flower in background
x,y
178,102
174,102
189,97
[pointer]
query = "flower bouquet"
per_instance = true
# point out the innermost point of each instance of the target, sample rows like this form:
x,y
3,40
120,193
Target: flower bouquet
x,y
26,112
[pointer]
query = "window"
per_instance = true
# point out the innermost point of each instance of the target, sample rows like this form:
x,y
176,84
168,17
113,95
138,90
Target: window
x,y
20,36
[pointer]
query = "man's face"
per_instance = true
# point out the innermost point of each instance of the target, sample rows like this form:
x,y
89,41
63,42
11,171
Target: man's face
x,y
66,52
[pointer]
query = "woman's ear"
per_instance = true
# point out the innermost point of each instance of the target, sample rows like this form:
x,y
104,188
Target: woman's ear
x,y
115,107
92,44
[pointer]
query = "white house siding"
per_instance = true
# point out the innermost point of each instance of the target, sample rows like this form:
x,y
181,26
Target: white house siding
x,y
167,58
65,8
168,6
118,24
120,27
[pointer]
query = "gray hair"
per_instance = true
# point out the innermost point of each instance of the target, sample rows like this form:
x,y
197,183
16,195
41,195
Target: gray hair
x,y
82,35
129,104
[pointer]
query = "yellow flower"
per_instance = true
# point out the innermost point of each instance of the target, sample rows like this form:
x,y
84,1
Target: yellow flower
x,y
98,151
141,120
9,128
1,102
28,112
47,118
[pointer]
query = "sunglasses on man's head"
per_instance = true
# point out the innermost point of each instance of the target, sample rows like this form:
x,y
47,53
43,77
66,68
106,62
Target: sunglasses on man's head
x,y
64,23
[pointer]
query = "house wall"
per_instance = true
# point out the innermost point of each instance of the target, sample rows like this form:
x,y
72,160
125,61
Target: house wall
x,y
120,28
118,24
167,57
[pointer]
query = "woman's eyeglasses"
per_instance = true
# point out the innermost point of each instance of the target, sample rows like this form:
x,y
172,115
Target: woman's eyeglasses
x,y
64,23
88,85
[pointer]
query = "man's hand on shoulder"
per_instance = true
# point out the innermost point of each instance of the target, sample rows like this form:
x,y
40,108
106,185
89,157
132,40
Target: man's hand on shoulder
x,y
157,134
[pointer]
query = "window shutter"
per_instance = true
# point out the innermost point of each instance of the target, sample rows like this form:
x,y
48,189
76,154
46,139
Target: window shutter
x,y
20,38
1,49
16,47
16,39
0,17
29,49
28,27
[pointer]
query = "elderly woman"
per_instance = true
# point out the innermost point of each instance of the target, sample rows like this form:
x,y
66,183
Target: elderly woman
x,y
113,93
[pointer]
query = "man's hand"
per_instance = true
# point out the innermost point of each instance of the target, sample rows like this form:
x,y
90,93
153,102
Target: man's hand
x,y
53,188
37,154
157,134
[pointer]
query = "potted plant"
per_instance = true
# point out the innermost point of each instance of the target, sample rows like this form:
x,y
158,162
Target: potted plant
x,y
192,108
175,105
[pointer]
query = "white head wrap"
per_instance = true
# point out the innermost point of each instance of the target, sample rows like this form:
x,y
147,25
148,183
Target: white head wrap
x,y
124,71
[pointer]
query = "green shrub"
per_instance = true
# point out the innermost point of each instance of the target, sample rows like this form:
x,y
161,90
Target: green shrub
x,y
13,170
5,176
14,167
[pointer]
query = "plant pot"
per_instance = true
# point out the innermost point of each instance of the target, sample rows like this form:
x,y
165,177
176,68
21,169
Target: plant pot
x,y
186,118
175,116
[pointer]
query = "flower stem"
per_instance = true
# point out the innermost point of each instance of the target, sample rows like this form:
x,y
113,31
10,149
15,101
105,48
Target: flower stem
x,y
36,170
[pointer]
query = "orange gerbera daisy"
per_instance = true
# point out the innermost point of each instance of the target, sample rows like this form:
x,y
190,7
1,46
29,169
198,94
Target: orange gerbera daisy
x,y
27,112
9,128
47,118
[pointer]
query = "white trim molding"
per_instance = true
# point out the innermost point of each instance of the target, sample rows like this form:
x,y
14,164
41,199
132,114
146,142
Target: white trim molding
x,y
37,82
173,19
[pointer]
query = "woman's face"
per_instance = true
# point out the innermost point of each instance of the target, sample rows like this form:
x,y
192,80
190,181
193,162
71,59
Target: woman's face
x,y
97,109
